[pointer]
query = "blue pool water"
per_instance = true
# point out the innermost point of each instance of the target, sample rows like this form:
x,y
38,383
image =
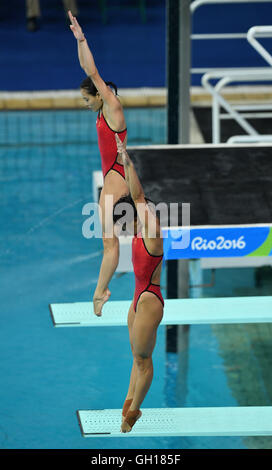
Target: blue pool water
x,y
46,165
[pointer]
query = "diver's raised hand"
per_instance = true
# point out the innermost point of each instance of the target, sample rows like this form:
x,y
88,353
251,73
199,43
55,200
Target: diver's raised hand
x,y
76,28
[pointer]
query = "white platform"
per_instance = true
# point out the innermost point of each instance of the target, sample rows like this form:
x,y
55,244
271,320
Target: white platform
x,y
236,262
176,311
125,243
98,183
225,421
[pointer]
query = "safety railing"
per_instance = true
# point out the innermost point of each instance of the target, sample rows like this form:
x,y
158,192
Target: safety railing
x,y
226,76
264,32
238,113
198,3
205,36
249,139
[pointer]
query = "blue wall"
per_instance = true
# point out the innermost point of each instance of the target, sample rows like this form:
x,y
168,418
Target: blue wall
x,y
126,51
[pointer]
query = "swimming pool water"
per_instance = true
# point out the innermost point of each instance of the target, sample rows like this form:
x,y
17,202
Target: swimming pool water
x,y
46,373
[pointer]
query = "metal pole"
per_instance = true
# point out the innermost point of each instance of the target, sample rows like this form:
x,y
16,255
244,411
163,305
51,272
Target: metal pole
x,y
178,41
178,132
172,67
184,71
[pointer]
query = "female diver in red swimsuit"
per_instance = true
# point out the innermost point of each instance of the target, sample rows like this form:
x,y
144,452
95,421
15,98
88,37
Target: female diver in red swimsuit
x,y
146,310
100,98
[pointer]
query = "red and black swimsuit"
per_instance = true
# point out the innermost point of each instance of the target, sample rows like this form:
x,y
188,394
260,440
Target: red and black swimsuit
x,y
107,146
144,265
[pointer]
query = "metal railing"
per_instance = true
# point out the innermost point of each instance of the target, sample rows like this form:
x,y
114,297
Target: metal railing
x,y
223,77
249,139
205,36
264,32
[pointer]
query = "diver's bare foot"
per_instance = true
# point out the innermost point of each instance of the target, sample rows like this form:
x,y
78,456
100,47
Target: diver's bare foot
x,y
130,420
126,406
99,300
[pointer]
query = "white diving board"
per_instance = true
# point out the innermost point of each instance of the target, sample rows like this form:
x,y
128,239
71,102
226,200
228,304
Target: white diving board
x,y
176,311
218,421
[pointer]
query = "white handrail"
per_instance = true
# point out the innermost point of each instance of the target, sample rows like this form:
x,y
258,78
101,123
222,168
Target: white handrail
x,y
198,3
249,74
208,36
228,75
261,31
219,36
201,70
240,139
225,77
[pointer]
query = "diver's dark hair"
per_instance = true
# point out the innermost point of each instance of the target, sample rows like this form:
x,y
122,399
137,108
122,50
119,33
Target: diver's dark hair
x,y
89,86
126,199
